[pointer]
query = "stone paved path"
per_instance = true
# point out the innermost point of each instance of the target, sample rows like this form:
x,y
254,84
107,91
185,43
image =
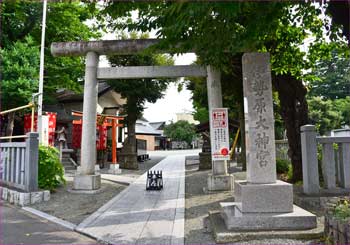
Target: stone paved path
x,y
137,216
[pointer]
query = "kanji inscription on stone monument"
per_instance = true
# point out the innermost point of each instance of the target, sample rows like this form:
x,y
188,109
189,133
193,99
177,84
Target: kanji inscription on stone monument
x,y
261,166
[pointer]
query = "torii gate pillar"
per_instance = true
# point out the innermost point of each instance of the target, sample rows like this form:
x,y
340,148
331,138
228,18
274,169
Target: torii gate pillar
x,y
86,178
219,179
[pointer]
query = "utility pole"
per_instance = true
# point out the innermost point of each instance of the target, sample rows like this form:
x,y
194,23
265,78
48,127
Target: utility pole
x,y
41,72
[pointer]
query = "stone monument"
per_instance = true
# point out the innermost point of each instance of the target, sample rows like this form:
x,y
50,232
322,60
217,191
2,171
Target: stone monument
x,y
261,201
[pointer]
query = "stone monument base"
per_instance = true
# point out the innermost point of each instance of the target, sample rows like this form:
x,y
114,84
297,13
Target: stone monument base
x,y
264,198
216,224
205,160
235,219
114,169
265,207
87,182
220,182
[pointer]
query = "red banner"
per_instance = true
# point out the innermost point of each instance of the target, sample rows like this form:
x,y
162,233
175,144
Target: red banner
x,y
52,125
101,137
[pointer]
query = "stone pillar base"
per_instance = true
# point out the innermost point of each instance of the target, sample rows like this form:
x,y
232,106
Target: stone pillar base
x,y
264,198
205,160
87,182
114,169
220,182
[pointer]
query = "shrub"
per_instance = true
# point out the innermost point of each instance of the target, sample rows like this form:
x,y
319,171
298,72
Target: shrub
x,y
282,166
50,169
342,210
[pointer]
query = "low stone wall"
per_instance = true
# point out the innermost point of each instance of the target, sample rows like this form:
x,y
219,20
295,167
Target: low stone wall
x,y
337,231
23,198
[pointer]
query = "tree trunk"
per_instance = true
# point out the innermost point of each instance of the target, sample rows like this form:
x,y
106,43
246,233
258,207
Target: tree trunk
x,y
294,111
129,152
10,124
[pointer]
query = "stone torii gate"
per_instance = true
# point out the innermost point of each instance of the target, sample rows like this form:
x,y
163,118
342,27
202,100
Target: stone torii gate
x,y
86,178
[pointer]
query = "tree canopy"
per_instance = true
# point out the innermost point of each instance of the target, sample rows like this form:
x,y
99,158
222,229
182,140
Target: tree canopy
x,y
66,21
333,78
180,131
20,73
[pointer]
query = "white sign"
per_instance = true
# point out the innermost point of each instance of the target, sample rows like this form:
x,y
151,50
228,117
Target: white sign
x,y
219,136
45,130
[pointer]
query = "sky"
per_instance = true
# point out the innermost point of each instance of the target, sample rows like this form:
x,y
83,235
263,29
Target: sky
x,y
165,109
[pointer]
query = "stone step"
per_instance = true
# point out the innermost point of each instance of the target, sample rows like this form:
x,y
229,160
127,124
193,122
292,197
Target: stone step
x,y
67,163
237,220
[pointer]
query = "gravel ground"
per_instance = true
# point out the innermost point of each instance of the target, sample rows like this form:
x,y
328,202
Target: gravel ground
x,y
198,204
75,207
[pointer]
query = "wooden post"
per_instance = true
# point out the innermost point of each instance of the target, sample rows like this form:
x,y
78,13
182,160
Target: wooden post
x,y
32,120
114,134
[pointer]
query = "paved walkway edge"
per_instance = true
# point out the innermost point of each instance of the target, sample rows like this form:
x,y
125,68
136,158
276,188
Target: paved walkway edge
x,y
51,218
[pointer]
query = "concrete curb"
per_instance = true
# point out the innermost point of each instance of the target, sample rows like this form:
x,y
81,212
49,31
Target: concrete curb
x,y
51,218
20,198
117,181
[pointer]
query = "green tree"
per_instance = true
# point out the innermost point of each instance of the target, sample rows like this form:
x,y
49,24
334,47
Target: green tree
x,y
343,105
19,76
66,21
137,92
324,114
180,131
333,78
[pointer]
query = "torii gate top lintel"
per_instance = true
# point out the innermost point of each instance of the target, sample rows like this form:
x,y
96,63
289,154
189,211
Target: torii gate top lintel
x,y
80,48
124,47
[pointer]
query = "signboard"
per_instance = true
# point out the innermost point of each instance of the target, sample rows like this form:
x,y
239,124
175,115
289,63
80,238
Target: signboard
x,y
45,130
219,137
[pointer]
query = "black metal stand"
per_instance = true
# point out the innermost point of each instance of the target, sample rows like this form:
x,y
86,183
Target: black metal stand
x,y
154,180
